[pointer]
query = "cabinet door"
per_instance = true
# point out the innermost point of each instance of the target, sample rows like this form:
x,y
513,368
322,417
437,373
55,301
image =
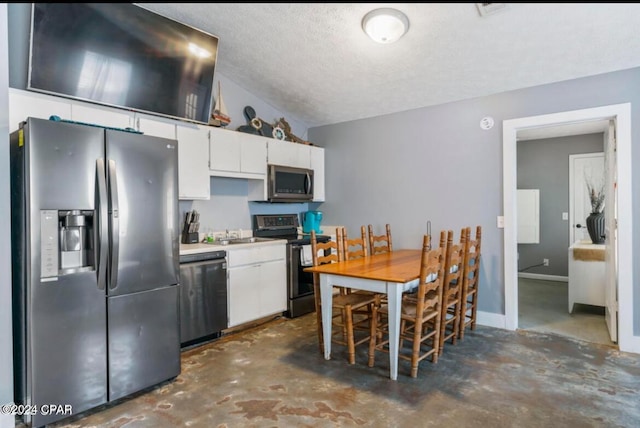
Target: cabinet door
x,y
253,154
288,154
273,287
155,126
24,104
89,113
193,162
317,165
244,297
224,152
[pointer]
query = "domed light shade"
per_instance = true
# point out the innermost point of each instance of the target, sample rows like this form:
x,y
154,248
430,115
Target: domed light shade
x,y
385,25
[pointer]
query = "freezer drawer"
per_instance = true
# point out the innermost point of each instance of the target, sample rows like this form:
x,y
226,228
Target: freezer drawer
x,y
144,340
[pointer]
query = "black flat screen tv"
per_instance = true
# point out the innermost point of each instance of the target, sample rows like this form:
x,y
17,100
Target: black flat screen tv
x,y
122,55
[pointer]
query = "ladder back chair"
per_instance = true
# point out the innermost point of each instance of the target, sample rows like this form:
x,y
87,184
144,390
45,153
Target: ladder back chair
x,y
469,297
451,289
356,248
343,304
380,243
420,315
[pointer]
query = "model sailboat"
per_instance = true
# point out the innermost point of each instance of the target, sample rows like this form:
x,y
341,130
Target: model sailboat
x,y
220,117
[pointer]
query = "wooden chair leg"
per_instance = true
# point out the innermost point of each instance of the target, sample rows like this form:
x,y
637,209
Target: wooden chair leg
x,y
351,347
436,340
373,332
417,332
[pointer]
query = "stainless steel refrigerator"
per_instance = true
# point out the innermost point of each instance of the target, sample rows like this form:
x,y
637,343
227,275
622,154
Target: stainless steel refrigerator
x,y
95,245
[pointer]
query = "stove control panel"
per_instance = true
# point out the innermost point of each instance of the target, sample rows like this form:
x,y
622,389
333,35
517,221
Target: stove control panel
x,y
284,221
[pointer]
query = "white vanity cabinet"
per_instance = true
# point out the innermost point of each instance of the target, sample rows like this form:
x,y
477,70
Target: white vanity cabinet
x,y
587,278
257,282
193,165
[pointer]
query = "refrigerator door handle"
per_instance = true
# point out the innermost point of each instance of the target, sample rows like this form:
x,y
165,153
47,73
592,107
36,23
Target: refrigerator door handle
x,y
115,223
102,229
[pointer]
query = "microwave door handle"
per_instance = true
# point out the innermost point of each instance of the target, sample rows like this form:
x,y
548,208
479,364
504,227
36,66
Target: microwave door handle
x,y
102,227
308,183
115,224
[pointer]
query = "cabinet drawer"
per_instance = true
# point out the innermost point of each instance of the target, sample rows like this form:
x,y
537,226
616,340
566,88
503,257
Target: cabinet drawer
x,y
263,253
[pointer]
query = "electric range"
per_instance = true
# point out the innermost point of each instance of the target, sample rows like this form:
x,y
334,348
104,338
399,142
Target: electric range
x,y
300,292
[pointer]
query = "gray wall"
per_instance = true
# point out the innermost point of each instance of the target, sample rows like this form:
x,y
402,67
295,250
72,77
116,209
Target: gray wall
x,y
6,359
544,164
436,163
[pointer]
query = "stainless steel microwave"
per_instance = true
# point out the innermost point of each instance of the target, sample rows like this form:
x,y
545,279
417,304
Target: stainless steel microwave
x,y
288,184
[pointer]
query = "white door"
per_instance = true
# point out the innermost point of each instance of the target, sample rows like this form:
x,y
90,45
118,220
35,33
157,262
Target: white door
x,y
611,233
585,166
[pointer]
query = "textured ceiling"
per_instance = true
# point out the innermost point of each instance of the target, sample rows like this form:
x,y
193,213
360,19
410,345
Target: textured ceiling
x,y
314,62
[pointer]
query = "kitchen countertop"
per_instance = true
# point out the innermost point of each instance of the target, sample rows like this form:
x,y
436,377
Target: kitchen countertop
x,y
205,248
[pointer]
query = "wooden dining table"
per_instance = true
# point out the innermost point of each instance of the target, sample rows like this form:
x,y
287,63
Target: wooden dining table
x,y
390,273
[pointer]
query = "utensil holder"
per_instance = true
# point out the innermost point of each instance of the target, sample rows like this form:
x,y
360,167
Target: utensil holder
x,y
190,238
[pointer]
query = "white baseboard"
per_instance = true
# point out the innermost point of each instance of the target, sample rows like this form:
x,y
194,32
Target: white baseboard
x,y
7,421
489,319
543,277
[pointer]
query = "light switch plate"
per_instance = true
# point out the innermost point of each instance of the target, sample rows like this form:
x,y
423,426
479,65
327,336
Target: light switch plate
x,y
565,216
500,222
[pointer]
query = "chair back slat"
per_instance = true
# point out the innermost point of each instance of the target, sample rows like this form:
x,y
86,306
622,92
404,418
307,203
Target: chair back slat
x,y
354,248
380,243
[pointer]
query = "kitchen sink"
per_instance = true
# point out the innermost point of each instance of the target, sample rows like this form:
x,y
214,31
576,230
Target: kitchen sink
x,y
248,240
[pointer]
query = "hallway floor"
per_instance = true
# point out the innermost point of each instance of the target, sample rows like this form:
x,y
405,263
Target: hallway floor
x,y
274,376
543,307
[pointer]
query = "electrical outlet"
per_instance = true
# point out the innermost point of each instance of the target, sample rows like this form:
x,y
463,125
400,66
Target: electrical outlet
x,y
545,262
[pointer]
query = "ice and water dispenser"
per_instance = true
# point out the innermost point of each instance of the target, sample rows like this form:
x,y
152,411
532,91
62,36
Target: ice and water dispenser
x,y
67,242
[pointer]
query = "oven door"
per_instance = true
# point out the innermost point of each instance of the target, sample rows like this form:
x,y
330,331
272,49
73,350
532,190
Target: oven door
x,y
299,284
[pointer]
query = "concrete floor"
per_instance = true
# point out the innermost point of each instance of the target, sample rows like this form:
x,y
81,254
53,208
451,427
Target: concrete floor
x,y
543,307
274,376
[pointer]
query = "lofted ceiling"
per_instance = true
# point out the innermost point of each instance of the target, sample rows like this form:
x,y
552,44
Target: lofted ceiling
x,y
314,62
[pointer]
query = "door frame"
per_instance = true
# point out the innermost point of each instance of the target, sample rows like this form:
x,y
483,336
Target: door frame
x,y
621,114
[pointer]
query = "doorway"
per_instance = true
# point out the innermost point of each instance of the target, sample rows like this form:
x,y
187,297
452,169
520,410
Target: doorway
x,y
621,115
545,163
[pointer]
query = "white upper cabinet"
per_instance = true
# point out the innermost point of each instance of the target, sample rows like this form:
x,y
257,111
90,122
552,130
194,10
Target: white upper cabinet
x,y
288,154
25,104
193,164
253,154
317,165
155,126
103,116
237,154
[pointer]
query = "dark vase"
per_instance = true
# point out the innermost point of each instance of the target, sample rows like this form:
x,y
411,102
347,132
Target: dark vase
x,y
595,227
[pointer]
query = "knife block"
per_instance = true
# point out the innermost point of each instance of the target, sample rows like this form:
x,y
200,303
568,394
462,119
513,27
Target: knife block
x,y
190,238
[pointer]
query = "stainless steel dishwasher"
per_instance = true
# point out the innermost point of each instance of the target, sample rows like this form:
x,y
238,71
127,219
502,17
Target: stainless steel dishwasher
x,y
203,296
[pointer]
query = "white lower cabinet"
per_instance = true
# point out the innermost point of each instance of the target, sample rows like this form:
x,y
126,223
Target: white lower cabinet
x,y
257,282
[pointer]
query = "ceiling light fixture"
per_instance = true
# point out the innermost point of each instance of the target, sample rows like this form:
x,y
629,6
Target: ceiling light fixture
x,y
385,25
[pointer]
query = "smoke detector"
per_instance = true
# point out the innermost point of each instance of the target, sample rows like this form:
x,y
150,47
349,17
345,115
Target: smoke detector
x,y
490,8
